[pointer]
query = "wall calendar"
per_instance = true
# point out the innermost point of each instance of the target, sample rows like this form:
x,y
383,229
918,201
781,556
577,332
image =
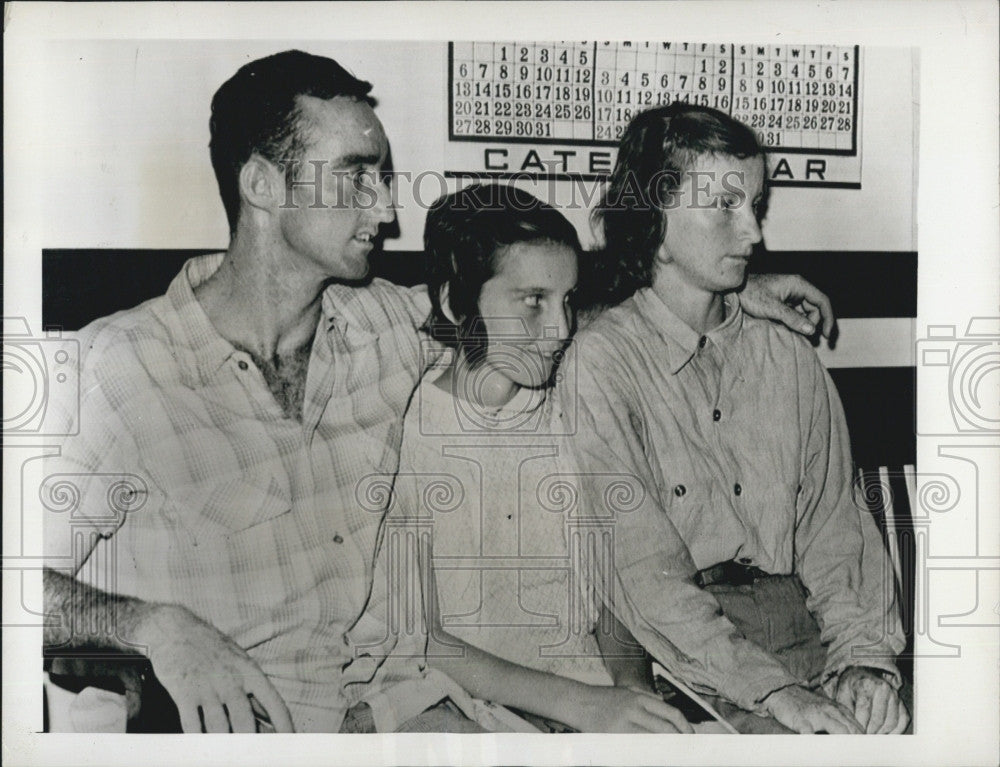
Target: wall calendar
x,y
558,109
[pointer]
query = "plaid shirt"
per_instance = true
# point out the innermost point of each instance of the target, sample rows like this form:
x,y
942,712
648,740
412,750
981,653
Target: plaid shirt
x,y
261,525
737,446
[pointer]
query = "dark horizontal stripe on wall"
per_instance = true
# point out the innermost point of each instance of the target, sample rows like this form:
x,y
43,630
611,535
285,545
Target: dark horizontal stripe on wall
x,y
880,404
80,285
816,184
499,175
860,283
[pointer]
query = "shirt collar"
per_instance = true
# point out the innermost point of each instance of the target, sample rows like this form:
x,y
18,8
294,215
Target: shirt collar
x,y
510,416
208,350
344,311
682,342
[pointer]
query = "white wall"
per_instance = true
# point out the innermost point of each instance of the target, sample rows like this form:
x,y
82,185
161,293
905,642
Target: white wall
x,y
123,139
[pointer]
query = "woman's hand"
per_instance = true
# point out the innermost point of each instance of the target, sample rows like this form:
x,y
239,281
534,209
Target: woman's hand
x,y
621,709
790,300
806,711
875,702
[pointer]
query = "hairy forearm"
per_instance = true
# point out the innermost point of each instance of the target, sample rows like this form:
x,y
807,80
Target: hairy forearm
x,y
84,617
486,676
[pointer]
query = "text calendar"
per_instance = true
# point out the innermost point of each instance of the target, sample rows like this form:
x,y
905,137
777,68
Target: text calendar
x,y
558,109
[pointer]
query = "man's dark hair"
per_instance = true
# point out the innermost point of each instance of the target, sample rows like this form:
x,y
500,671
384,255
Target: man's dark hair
x,y
466,236
658,147
257,110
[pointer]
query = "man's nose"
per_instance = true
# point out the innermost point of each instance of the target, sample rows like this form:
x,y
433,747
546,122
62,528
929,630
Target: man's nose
x,y
384,210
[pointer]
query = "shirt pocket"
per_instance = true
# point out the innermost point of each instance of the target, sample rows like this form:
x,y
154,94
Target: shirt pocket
x,y
234,505
685,503
702,521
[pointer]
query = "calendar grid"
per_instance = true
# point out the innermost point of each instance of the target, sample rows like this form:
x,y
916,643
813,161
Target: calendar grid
x,y
799,99
732,68
854,128
593,104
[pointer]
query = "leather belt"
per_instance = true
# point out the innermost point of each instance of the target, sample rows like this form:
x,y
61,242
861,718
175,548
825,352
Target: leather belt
x,y
729,573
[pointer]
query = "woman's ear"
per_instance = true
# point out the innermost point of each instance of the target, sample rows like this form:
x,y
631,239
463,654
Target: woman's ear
x,y
661,252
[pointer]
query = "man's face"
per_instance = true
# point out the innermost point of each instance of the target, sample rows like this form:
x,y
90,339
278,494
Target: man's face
x,y
331,228
711,223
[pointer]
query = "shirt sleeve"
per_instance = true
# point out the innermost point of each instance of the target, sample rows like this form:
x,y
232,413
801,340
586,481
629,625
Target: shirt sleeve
x,y
91,483
413,301
839,553
403,686
397,597
647,575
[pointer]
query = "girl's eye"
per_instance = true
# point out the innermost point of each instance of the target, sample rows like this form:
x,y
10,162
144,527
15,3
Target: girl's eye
x,y
533,300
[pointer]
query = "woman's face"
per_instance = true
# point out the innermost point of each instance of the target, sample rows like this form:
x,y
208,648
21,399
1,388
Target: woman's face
x,y
711,223
526,311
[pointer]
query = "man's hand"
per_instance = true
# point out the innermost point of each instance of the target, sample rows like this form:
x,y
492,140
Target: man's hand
x,y
805,711
875,702
203,669
791,300
618,709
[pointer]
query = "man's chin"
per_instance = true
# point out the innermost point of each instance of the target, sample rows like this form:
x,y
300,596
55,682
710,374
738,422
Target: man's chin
x,y
358,273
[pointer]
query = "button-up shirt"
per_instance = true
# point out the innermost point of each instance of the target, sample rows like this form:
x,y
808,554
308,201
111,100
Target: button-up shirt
x,y
734,447
204,494
483,488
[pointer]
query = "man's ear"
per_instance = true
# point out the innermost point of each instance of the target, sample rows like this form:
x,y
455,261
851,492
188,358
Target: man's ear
x,y
262,183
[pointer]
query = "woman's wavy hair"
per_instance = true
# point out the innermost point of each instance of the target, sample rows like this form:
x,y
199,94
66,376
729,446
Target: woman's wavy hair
x,y
658,147
465,238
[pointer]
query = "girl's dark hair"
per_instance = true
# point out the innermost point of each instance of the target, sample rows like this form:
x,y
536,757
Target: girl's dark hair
x,y
658,147
465,238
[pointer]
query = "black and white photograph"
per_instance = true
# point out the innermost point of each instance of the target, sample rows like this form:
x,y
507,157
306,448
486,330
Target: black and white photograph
x,y
439,373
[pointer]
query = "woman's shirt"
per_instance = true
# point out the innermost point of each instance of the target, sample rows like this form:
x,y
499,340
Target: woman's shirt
x,y
483,488
734,447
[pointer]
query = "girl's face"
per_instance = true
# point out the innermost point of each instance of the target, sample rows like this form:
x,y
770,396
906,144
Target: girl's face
x,y
526,311
712,223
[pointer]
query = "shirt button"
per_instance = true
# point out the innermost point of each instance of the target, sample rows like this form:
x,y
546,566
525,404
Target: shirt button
x,y
716,415
737,488
702,341
338,538
243,365
679,490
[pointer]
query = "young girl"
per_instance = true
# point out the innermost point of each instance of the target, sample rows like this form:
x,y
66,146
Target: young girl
x,y
737,437
501,555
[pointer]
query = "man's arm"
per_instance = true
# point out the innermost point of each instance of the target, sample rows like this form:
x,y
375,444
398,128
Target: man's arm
x,y
93,485
790,300
203,670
